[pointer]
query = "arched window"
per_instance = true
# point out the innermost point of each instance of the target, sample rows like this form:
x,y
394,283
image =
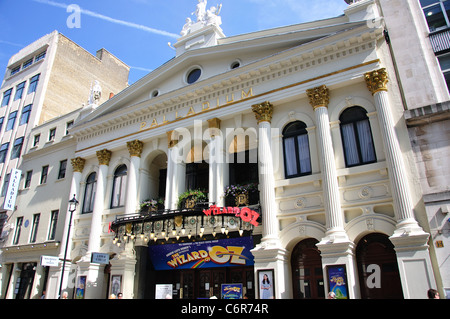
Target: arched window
x,y
119,187
297,159
357,137
89,193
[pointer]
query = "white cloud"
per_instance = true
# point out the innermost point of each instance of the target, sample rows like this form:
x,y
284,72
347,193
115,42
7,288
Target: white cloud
x,y
282,12
112,20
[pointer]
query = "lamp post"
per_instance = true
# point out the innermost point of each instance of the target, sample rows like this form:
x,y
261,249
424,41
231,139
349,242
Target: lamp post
x,y
73,203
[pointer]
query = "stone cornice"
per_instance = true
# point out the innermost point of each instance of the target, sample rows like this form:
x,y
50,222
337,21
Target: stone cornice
x,y
328,50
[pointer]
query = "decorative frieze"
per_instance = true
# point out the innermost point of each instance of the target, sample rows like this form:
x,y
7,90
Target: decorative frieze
x,y
78,164
319,96
377,80
135,148
104,156
263,112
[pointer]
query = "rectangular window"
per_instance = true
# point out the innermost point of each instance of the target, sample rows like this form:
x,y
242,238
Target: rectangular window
x,y
11,121
33,84
18,230
35,227
19,91
51,134
5,184
40,56
17,148
1,122
37,137
53,223
68,126
62,169
6,97
15,70
27,64
25,115
3,152
44,174
28,179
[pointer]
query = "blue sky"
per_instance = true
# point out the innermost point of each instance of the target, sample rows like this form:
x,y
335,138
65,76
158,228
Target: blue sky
x,y
137,31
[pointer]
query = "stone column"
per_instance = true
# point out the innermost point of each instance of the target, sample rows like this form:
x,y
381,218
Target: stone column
x,y
409,239
135,148
263,113
377,84
103,156
335,247
218,173
176,172
269,254
319,99
55,273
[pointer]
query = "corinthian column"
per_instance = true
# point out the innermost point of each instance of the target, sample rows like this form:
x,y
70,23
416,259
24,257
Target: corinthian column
x,y
377,84
103,156
176,172
263,113
319,99
135,148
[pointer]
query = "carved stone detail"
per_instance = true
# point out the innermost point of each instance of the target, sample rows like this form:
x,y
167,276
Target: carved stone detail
x,y
104,156
377,80
135,148
263,112
319,96
78,164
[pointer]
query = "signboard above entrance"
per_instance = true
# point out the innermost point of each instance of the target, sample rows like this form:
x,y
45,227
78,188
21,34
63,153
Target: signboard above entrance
x,y
245,213
205,254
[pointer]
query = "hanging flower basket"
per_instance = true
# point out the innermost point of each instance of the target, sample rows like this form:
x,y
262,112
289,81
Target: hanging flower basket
x,y
152,205
192,198
241,195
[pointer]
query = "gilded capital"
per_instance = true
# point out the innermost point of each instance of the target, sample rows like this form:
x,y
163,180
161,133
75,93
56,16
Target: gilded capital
x,y
78,164
263,112
319,96
214,125
104,156
377,80
170,139
135,148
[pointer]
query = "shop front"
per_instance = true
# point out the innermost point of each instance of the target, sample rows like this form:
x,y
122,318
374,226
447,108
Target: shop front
x,y
194,253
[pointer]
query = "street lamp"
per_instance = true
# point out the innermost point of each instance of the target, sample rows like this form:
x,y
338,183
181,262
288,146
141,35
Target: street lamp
x,y
73,203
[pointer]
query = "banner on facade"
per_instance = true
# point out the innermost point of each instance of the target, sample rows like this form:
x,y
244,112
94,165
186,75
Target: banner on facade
x,y
13,186
205,254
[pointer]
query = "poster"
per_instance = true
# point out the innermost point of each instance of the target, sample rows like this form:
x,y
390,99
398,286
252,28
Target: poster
x,y
231,291
266,284
234,252
163,291
81,287
337,281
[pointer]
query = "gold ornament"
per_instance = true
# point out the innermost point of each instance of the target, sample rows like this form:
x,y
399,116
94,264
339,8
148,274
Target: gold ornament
x,y
319,96
78,164
263,112
104,156
135,148
377,80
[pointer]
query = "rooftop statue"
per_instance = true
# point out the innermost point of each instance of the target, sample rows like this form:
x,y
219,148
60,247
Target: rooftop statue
x,y
204,17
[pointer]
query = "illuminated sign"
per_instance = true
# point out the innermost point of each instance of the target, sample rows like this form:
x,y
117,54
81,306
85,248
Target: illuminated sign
x,y
206,254
245,213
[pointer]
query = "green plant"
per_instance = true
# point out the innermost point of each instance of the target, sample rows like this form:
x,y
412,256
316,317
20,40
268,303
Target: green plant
x,y
234,190
197,195
151,203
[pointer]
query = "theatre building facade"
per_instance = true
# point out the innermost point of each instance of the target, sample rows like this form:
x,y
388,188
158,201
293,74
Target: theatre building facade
x,y
275,163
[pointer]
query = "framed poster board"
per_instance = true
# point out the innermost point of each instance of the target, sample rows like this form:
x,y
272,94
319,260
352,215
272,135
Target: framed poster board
x,y
81,287
266,284
337,281
116,284
231,291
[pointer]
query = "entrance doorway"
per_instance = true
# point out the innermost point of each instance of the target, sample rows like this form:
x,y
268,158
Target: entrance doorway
x,y
377,250
205,283
25,281
307,274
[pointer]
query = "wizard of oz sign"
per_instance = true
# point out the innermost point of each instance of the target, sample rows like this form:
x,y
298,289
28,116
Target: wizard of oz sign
x,y
205,254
